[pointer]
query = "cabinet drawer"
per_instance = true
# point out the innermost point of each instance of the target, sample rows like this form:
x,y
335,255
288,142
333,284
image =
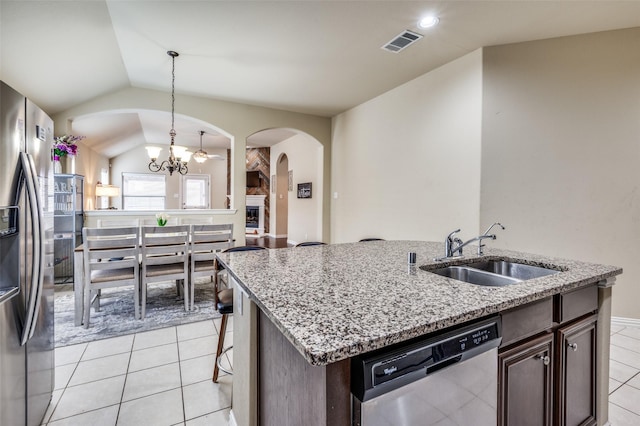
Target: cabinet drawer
x,y
576,303
525,321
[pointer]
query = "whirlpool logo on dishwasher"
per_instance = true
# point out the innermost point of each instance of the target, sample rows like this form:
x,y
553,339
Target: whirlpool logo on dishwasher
x,y
390,370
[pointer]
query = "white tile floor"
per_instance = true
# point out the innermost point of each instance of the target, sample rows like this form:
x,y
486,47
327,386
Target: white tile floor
x,y
163,377
624,376
160,377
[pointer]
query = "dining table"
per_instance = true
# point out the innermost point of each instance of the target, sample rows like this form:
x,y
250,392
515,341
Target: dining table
x,y
78,284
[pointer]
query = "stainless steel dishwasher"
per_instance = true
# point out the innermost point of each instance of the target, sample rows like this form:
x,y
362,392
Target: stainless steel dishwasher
x,y
449,379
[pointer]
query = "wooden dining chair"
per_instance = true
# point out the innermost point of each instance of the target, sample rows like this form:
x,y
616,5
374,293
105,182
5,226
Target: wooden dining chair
x,y
165,257
110,260
224,304
200,220
117,223
206,240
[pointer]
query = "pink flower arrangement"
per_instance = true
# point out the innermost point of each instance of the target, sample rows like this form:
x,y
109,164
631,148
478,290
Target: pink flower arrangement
x,y
65,145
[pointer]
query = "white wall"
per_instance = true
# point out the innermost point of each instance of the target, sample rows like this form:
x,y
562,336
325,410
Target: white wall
x,y
561,151
406,165
137,160
238,121
305,156
217,169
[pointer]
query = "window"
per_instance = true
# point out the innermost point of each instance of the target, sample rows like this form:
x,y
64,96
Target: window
x,y
143,191
195,192
103,202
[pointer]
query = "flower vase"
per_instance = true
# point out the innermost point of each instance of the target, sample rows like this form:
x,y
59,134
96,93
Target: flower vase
x,y
57,167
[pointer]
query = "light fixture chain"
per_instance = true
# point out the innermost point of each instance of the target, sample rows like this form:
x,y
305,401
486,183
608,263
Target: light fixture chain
x,y
173,163
173,96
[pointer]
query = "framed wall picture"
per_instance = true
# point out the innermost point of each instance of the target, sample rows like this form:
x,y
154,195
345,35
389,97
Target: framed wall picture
x,y
273,184
304,190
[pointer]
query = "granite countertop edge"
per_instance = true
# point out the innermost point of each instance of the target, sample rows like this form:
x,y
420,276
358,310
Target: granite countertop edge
x,y
332,348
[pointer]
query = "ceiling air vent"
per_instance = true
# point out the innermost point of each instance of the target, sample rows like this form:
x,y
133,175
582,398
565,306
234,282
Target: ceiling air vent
x,y
402,41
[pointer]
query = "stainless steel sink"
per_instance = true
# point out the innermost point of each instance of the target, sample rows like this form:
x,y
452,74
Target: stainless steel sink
x,y
475,276
496,273
512,269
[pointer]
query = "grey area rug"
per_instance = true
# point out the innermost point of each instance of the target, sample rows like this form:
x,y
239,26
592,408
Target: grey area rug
x,y
116,316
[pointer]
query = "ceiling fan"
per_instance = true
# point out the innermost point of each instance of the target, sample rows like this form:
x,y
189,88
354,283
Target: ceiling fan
x,y
216,157
201,155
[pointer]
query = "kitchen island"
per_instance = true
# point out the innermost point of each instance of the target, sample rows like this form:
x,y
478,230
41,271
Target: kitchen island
x,y
330,303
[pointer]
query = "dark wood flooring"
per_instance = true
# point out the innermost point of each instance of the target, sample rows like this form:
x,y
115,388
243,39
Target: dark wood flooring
x,y
268,242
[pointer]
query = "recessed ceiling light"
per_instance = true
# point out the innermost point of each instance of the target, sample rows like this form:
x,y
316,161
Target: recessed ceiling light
x,y
428,22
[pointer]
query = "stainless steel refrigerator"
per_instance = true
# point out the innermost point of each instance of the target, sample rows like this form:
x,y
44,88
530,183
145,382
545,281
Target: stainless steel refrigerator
x,y
26,260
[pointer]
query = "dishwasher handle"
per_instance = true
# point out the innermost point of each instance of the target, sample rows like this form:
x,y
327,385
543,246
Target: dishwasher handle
x,y
447,362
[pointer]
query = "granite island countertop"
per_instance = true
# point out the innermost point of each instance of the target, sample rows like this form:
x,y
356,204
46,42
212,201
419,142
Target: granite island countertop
x,y
337,301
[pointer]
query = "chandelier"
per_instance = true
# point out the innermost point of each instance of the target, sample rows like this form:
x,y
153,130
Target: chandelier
x,y
200,155
178,155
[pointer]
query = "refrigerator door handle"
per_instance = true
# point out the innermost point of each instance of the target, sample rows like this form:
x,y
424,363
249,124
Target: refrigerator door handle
x,y
37,265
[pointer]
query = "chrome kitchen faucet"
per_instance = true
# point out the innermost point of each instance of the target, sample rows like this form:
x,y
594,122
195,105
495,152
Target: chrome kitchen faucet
x,y
455,245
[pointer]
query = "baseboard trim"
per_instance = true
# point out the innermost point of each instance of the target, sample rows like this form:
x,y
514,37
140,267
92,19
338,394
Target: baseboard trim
x,y
626,322
232,419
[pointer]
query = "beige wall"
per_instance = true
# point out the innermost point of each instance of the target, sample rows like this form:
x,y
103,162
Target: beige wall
x,y
239,121
89,164
136,161
561,151
305,160
406,165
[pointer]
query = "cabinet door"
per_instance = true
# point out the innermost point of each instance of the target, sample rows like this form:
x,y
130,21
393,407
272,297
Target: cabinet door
x,y
525,383
577,373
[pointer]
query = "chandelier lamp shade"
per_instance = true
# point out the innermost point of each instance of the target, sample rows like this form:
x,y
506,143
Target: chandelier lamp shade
x,y
200,155
178,155
105,191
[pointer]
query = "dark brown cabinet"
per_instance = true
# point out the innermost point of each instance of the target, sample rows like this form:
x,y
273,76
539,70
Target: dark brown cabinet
x,y
549,378
525,383
576,354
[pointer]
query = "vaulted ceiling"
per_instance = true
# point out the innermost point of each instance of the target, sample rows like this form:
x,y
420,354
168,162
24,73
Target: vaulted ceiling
x,y
316,57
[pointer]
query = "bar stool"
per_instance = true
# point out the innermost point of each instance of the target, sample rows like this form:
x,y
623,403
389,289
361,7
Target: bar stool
x,y
311,243
224,304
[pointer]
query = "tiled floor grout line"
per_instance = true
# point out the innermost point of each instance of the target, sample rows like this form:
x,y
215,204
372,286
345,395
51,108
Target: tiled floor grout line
x,y
184,408
126,376
626,365
626,382
623,408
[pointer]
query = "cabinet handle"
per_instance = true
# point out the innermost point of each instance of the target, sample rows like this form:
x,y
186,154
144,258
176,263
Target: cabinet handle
x,y
544,358
573,346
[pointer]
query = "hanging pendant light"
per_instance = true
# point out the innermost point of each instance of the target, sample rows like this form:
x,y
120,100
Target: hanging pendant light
x,y
178,156
200,155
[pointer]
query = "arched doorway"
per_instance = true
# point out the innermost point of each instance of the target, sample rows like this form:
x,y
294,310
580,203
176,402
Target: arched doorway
x,y
294,158
282,196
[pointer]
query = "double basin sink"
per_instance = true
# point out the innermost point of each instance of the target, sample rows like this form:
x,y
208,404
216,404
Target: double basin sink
x,y
495,273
